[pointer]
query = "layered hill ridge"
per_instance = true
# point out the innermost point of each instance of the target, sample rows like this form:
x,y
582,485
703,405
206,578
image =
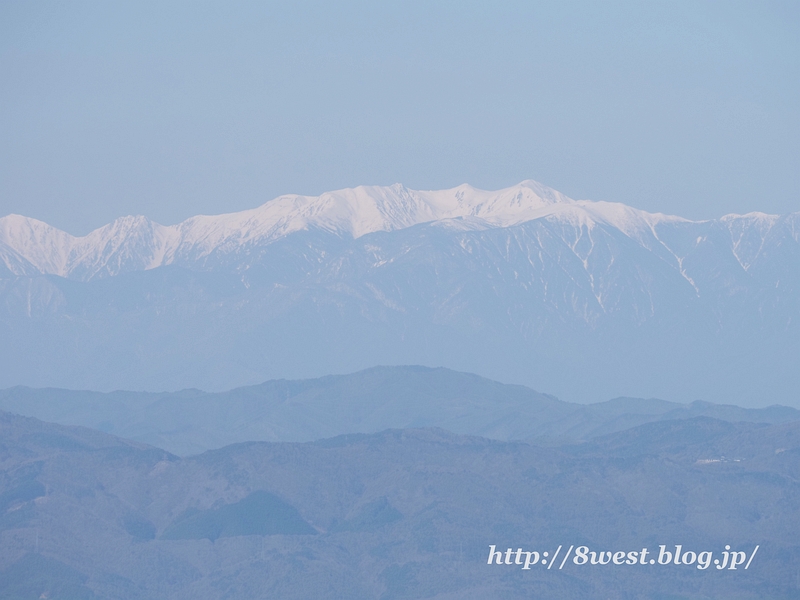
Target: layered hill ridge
x,y
190,421
395,515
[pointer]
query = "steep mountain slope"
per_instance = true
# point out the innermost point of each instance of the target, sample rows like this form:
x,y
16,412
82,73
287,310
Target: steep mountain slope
x,y
584,300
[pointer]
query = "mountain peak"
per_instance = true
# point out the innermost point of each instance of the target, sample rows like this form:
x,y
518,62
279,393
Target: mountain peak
x,y
136,242
367,209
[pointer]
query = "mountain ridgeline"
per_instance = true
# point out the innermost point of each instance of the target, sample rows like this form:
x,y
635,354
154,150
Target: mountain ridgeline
x,y
585,300
191,421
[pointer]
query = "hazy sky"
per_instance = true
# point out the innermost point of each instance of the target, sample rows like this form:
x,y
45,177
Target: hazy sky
x,y
170,109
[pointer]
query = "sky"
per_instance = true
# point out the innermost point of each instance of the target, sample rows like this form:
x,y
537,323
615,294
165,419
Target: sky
x,y
171,109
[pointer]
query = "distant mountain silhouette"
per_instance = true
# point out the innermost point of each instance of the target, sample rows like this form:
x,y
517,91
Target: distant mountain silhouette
x,y
369,401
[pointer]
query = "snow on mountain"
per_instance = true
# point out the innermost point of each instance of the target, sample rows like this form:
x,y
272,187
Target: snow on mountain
x,y
27,244
367,209
129,243
136,243
30,247
523,284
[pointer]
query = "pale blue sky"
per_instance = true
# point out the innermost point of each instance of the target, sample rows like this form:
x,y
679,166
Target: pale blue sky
x,y
170,109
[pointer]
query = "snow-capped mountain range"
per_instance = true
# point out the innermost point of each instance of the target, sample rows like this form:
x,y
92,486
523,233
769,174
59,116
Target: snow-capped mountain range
x,y
28,246
521,284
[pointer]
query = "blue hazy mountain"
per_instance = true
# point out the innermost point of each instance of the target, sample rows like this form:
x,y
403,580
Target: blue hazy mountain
x,y
584,300
397,514
192,421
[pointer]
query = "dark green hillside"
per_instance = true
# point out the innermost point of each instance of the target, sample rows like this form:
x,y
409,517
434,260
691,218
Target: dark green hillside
x,y
260,513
